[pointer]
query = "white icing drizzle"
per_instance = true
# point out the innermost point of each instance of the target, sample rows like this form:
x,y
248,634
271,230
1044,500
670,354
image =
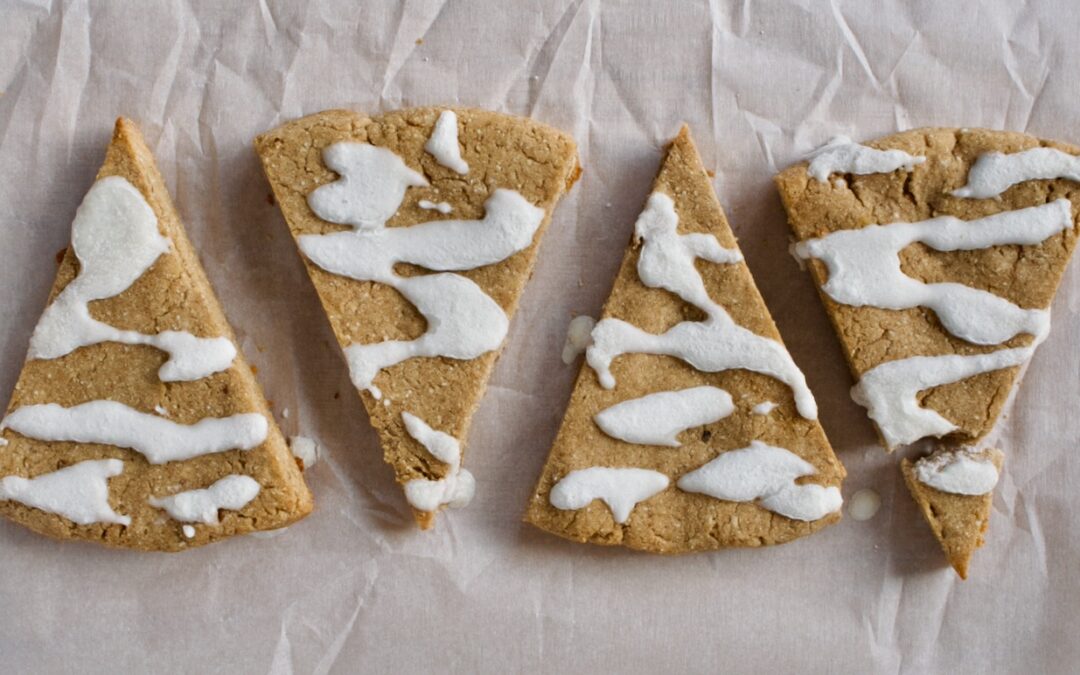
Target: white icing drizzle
x,y
456,489
842,155
995,172
441,207
115,237
233,492
657,419
763,408
304,449
189,531
158,439
959,472
578,337
888,391
463,321
79,492
718,343
443,143
620,488
767,474
864,269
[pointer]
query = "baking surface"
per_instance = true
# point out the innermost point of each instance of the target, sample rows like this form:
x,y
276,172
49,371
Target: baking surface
x,y
356,586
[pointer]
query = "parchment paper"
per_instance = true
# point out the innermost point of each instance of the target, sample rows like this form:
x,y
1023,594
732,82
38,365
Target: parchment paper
x,y
356,587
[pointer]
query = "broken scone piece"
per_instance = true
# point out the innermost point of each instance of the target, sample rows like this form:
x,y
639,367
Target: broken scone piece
x,y
954,491
135,421
419,229
937,253
690,427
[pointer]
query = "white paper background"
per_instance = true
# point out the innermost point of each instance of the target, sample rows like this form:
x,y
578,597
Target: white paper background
x,y
355,587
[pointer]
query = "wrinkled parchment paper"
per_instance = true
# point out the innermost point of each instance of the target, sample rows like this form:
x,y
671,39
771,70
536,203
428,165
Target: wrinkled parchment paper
x,y
356,587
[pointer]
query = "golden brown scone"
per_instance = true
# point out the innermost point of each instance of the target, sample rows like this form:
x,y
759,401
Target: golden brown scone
x,y
172,295
501,151
958,521
675,521
1025,275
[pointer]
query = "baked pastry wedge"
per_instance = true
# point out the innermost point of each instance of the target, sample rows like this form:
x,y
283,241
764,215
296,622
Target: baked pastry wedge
x,y
954,490
937,253
419,229
136,422
689,427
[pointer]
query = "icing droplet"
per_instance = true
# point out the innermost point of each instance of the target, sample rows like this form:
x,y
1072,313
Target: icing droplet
x,y
718,343
620,488
765,473
441,207
995,172
79,492
232,492
156,438
189,531
763,408
888,391
304,449
578,337
116,240
443,144
864,504
456,489
658,418
961,472
841,155
463,321
864,269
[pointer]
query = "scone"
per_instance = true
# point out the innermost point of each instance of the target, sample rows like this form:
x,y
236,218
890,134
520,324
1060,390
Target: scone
x,y
135,421
954,490
419,229
937,253
936,280
689,427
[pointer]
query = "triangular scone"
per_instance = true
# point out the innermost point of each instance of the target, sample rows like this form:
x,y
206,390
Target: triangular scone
x,y
419,229
690,427
937,308
954,491
110,435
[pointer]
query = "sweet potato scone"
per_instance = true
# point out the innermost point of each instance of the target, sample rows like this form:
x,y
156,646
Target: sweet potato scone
x,y
135,421
690,427
937,253
954,491
419,229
